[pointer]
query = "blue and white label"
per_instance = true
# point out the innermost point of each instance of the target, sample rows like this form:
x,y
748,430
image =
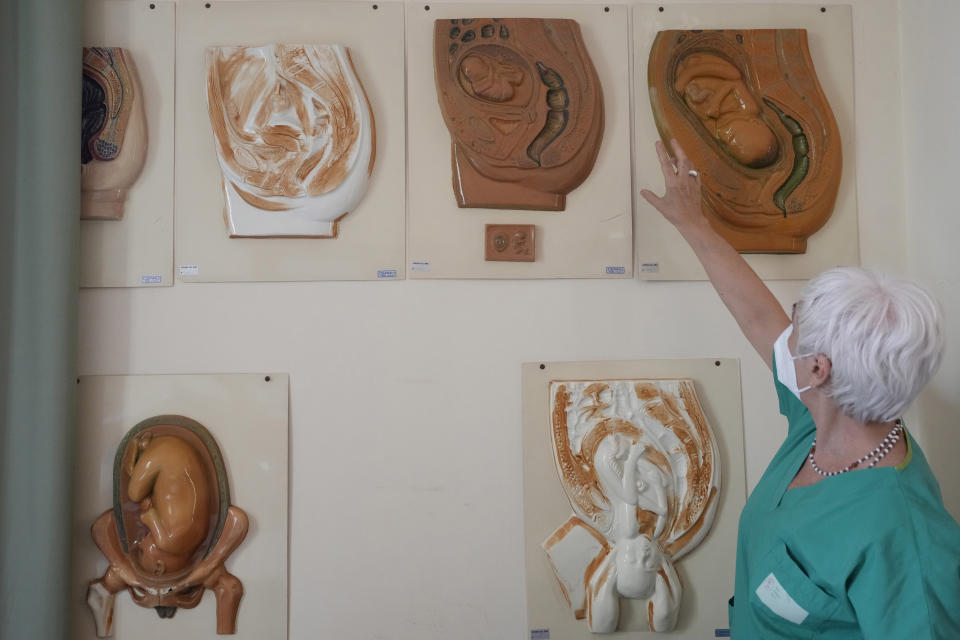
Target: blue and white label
x,y
616,271
151,279
539,634
386,274
721,633
189,270
772,594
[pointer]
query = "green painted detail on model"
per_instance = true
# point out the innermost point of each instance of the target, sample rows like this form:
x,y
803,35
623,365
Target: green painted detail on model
x,y
801,159
558,100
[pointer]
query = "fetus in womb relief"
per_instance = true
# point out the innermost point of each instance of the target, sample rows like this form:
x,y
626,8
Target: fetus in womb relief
x,y
113,138
639,465
748,110
295,137
171,528
524,108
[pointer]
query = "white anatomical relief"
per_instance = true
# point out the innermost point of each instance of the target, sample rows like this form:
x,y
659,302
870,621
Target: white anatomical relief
x,y
640,467
294,135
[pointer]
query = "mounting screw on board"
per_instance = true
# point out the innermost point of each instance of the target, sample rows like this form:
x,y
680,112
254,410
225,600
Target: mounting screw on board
x,y
717,363
207,5
543,366
660,9
153,6
606,9
375,7
426,7
266,378
823,9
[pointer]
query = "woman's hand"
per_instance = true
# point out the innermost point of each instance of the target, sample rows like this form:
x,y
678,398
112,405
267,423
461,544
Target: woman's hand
x,y
756,310
681,203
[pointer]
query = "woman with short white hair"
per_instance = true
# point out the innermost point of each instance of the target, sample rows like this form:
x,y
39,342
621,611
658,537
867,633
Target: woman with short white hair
x,y
845,535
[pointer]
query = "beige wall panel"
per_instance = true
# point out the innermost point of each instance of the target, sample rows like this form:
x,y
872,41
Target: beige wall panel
x,y
370,242
248,417
661,253
137,250
594,232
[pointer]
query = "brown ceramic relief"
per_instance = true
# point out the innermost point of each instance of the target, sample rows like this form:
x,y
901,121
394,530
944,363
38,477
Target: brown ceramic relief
x,y
294,135
113,131
524,108
172,526
510,243
639,464
747,108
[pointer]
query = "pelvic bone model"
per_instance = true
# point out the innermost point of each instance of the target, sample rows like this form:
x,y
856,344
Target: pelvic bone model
x,y
524,108
114,132
748,110
294,134
172,526
639,464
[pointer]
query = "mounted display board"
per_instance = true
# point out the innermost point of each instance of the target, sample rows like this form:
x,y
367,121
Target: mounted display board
x,y
136,248
661,253
328,209
521,97
630,397
247,417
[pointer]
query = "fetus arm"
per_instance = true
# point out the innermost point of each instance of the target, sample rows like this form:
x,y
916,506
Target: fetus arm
x,y
143,478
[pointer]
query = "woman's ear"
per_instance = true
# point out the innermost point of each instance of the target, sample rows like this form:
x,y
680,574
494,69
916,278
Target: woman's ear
x,y
820,370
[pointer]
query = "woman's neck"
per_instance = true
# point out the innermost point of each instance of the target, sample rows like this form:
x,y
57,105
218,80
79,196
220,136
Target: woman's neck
x,y
841,439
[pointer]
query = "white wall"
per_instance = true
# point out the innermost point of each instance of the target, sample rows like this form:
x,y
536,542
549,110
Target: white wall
x,y
406,514
931,98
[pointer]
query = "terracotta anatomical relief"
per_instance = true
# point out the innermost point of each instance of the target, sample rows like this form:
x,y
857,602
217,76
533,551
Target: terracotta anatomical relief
x,y
524,108
113,132
510,243
295,137
748,110
171,527
639,464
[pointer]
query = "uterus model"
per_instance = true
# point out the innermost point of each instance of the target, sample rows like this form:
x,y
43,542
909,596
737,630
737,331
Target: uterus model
x,y
113,132
295,137
524,108
748,110
639,465
171,528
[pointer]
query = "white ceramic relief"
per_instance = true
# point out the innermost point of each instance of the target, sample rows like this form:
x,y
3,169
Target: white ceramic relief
x,y
295,137
639,464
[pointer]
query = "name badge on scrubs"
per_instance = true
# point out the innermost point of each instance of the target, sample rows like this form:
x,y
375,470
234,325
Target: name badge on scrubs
x,y
772,594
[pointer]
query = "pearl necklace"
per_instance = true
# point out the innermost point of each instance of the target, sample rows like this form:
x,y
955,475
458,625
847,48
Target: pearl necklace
x,y
885,447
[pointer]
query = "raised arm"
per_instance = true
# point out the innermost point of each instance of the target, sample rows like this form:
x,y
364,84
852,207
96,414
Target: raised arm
x,y
759,314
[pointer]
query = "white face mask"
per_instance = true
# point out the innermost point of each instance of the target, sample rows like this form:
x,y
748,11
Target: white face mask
x,y
786,370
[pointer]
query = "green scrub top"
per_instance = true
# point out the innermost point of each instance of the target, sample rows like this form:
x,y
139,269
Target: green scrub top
x,y
867,554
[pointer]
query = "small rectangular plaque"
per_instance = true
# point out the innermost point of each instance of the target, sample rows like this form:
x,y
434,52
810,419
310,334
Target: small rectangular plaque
x,y
510,243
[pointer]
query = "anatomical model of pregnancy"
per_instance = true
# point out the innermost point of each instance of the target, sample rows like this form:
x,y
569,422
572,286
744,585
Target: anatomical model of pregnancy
x,y
172,526
524,108
639,464
748,110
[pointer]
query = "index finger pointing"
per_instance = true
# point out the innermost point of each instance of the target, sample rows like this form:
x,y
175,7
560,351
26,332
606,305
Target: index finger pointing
x,y
678,152
666,163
